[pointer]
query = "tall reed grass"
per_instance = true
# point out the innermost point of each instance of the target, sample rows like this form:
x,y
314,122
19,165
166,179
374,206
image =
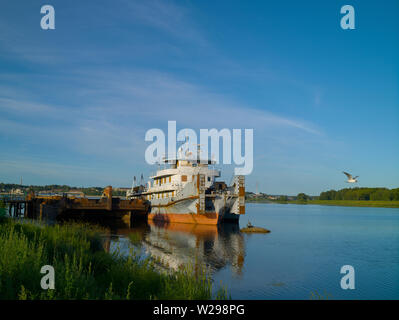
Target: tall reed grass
x,y
83,269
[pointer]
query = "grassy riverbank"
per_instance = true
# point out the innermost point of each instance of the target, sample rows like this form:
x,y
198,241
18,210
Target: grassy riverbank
x,y
344,203
83,269
356,203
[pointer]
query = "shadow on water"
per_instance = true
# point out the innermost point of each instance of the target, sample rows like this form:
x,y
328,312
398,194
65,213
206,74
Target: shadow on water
x,y
213,247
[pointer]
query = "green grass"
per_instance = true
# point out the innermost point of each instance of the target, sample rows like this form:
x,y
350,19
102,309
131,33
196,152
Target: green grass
x,y
135,237
356,203
83,269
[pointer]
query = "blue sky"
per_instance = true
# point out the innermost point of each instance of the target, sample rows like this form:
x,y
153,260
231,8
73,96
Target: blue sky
x,y
75,102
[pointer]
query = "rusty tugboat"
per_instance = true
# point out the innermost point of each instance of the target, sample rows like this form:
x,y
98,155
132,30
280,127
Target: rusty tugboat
x,y
186,191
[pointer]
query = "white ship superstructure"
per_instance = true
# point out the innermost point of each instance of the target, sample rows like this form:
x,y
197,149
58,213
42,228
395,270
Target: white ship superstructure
x,y
187,191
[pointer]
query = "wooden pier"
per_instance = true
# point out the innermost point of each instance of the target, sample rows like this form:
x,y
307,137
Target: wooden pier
x,y
16,207
54,207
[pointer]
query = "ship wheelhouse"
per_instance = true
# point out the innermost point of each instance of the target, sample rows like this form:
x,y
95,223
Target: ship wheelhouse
x,y
166,183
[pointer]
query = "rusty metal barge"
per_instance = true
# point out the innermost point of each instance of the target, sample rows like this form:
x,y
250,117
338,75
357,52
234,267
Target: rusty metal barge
x,y
56,207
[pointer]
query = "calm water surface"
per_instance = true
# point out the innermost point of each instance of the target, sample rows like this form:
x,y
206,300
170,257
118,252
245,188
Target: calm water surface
x,y
304,252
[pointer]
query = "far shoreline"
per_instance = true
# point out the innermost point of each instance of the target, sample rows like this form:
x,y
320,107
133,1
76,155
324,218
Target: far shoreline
x,y
341,203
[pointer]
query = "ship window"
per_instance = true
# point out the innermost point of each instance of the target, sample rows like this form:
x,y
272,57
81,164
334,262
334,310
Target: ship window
x,y
183,178
170,179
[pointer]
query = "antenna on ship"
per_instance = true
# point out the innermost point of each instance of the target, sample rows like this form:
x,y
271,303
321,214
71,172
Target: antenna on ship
x,y
198,155
141,180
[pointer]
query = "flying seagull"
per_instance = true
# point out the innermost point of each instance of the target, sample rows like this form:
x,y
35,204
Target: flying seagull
x,y
350,178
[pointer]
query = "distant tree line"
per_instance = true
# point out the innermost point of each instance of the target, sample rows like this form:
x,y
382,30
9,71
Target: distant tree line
x,y
361,194
55,188
7,187
282,198
302,197
371,194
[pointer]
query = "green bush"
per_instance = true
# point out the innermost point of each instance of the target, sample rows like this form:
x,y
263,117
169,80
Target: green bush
x,y
302,197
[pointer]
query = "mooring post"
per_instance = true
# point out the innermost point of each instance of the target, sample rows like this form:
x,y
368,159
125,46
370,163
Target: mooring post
x,y
108,195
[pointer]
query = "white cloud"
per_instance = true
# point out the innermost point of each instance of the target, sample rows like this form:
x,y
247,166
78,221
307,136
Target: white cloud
x,y
102,110
116,110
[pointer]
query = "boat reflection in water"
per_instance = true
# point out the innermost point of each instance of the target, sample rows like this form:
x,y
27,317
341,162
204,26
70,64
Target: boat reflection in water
x,y
173,246
212,246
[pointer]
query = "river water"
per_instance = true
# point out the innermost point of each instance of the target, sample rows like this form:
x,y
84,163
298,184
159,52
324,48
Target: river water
x,y
300,259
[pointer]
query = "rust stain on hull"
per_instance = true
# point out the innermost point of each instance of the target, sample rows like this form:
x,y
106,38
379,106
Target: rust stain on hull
x,y
211,218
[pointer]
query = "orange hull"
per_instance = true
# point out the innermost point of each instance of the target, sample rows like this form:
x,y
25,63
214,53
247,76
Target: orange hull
x,y
207,218
199,230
